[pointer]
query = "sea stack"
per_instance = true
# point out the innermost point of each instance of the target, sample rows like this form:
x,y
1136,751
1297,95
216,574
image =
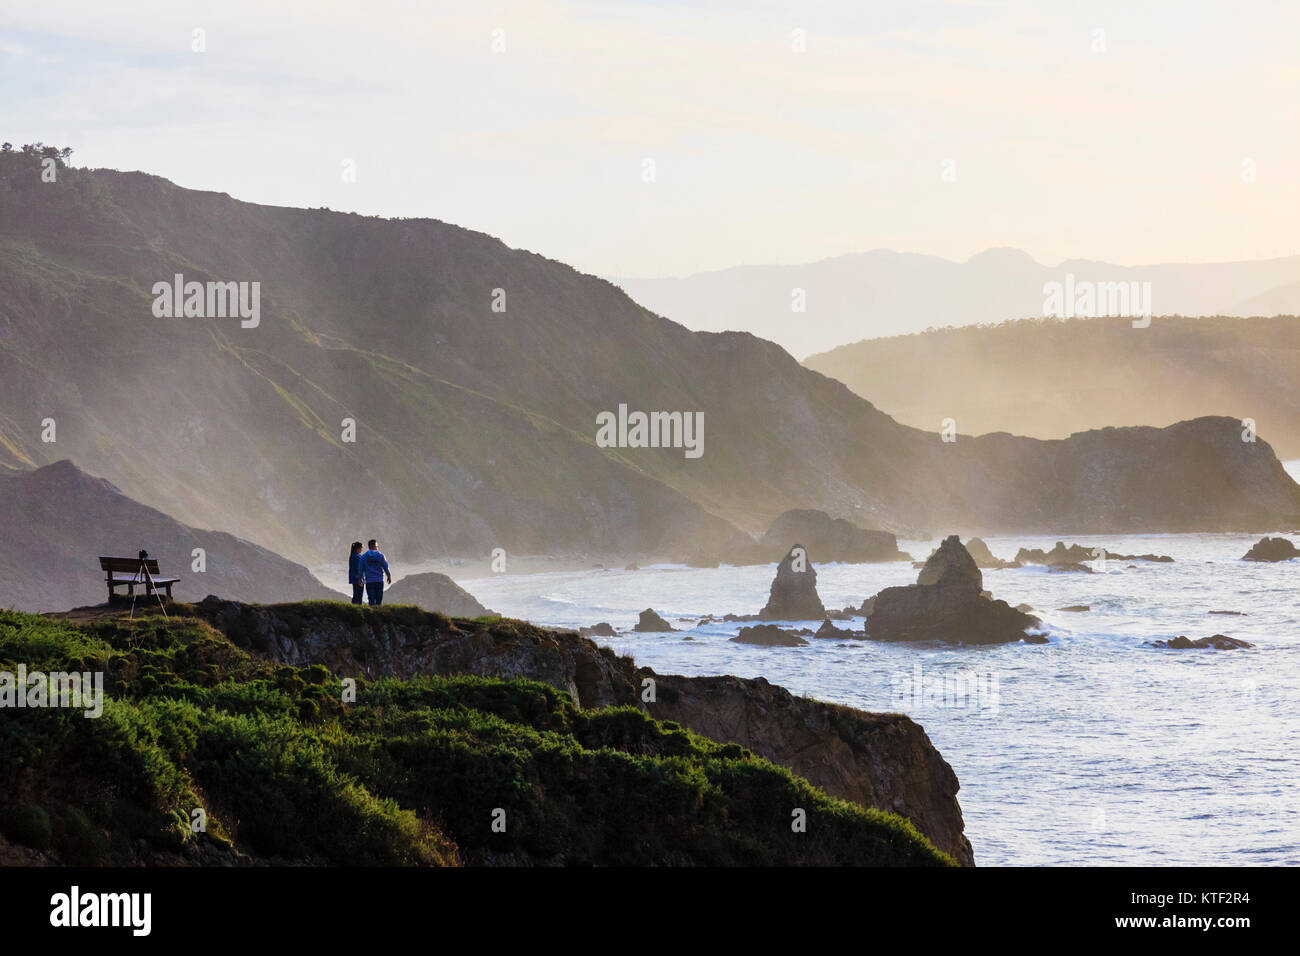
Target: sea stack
x,y
1271,549
794,590
946,604
651,622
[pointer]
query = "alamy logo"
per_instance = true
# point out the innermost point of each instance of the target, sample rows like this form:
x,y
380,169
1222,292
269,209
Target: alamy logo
x,y
74,908
211,300
653,430
83,691
918,691
1090,300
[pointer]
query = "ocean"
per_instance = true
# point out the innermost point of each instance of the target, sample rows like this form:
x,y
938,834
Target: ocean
x,y
1093,749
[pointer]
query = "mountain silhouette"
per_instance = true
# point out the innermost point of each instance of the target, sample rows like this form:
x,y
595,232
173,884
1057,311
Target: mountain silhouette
x,y
475,374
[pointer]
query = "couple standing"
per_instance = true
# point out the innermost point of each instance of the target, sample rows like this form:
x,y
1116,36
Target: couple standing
x,y
366,571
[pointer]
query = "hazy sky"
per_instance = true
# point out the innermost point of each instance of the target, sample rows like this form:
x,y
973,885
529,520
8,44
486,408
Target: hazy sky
x,y
1130,145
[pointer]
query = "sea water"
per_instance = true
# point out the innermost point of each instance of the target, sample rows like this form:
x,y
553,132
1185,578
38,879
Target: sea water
x,y
1092,749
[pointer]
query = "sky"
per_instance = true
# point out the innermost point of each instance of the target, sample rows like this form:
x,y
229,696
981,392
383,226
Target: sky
x,y
668,137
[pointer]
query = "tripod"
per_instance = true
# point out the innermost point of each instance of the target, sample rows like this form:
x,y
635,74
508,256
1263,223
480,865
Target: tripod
x,y
142,577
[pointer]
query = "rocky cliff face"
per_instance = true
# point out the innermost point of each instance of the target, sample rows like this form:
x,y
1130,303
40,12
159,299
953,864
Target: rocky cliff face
x,y
878,760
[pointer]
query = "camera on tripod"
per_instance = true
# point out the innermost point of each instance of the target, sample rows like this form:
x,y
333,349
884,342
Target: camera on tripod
x,y
144,555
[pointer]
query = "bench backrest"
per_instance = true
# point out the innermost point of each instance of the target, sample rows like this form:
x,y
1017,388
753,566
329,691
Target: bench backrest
x,y
126,565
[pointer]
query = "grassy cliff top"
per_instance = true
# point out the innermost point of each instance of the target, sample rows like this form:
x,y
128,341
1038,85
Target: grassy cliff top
x,y
411,772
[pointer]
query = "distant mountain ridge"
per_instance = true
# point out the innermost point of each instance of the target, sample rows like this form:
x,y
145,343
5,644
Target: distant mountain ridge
x,y
475,375
882,293
1051,379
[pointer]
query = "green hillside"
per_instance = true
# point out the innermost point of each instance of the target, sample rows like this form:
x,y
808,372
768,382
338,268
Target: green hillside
x,y
408,774
1050,378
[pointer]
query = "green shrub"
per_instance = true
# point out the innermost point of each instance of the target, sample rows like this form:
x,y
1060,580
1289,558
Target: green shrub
x,y
27,824
410,774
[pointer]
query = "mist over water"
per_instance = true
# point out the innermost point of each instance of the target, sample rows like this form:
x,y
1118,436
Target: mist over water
x,y
1099,750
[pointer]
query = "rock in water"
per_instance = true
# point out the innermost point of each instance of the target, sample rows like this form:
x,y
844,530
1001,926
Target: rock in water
x,y
1073,557
830,630
1271,549
650,621
768,635
984,558
603,629
1060,555
946,605
435,592
1220,642
794,590
951,558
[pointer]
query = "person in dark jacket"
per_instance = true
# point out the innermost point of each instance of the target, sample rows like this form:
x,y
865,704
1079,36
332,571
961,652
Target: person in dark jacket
x,y
354,572
374,566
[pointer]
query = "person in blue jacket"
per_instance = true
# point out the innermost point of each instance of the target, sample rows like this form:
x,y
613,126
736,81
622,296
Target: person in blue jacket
x,y
374,567
354,572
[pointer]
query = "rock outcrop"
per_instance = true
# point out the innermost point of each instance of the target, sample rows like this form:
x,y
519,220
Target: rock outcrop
x,y
1075,555
1219,642
794,590
768,635
878,760
1272,549
830,631
946,605
603,629
984,558
651,622
435,592
831,539
951,562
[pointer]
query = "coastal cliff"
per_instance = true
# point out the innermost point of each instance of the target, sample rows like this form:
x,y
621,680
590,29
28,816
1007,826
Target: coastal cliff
x,y
885,761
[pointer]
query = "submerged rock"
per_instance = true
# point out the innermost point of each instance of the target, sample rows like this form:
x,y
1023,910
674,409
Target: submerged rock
x,y
1076,607
794,590
1220,642
946,605
768,635
652,622
1271,549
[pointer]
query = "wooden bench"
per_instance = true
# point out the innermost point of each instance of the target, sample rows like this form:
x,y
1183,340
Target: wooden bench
x,y
125,571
